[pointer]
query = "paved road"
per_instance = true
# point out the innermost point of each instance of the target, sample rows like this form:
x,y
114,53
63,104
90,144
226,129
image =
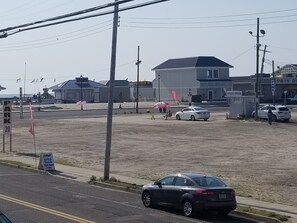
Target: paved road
x,y
31,197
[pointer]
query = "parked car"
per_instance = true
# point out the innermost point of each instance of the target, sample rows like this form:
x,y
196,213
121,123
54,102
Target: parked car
x,y
4,219
193,113
280,112
190,192
293,100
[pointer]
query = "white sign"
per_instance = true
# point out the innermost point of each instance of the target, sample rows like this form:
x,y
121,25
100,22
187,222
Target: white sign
x,y
46,161
6,117
234,94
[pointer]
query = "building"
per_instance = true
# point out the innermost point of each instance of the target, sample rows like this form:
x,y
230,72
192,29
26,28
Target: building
x,y
202,78
80,89
285,79
145,90
276,87
121,91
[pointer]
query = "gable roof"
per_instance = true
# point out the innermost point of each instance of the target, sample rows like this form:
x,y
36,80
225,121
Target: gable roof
x,y
192,62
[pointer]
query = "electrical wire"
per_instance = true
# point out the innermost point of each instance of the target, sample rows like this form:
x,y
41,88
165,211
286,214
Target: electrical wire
x,y
86,17
66,15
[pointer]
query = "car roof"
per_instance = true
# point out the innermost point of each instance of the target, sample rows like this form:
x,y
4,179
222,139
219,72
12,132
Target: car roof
x,y
192,175
196,107
277,106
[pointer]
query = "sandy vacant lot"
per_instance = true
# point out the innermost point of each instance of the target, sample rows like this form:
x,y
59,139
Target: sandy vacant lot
x,y
258,160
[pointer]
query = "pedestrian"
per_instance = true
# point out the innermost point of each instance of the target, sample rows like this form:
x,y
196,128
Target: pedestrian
x,y
269,116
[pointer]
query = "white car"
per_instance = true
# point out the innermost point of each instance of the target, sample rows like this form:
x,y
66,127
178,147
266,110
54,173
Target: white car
x,y
193,113
293,100
280,112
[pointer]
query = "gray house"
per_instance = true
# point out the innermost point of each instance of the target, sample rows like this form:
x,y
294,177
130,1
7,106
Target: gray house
x,y
121,91
202,78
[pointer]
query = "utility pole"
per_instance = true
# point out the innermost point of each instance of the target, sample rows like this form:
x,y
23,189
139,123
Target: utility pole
x,y
273,83
110,93
262,67
257,66
137,82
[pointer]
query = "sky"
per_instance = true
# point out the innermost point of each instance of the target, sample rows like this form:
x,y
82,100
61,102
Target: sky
x,y
44,57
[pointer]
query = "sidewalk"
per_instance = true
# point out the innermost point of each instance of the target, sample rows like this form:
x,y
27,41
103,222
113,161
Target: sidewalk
x,y
83,175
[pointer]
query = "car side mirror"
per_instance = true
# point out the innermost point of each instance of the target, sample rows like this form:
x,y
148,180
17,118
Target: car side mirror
x,y
158,183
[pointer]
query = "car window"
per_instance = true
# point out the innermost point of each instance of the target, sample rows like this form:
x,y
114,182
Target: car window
x,y
182,181
3,219
167,180
206,181
283,109
264,108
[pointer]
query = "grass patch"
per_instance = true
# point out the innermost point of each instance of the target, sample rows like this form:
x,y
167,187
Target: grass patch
x,y
19,164
265,213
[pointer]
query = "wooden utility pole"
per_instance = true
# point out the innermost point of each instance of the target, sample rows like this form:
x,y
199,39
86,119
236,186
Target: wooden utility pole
x,y
137,82
110,93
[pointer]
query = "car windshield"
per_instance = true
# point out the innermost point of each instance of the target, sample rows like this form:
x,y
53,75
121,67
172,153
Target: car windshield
x,y
206,181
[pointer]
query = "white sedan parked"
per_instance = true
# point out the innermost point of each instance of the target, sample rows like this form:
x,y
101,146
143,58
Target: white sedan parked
x,y
193,113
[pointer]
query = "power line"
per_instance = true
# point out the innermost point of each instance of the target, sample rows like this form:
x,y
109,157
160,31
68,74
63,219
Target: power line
x,y
66,15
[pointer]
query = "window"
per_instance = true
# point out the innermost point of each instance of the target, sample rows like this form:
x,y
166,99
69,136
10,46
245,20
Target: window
x,y
209,74
181,181
209,182
167,180
212,74
215,74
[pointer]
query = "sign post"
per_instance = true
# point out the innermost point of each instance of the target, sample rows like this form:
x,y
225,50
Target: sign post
x,y
7,123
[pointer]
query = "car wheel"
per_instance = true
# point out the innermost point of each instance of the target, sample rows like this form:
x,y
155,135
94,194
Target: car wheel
x,y
274,118
286,120
253,115
205,119
177,117
188,209
193,118
147,199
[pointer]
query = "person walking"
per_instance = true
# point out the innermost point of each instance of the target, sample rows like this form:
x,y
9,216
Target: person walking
x,y
269,116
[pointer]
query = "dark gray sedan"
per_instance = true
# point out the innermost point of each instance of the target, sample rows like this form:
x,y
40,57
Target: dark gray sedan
x,y
4,219
192,193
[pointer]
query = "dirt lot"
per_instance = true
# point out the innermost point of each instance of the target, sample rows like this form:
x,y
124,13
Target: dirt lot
x,y
258,160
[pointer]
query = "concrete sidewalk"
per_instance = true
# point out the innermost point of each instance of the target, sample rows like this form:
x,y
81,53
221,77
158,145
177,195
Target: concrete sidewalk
x,y
84,175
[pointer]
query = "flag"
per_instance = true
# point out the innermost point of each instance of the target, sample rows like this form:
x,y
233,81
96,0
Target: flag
x,y
174,95
31,129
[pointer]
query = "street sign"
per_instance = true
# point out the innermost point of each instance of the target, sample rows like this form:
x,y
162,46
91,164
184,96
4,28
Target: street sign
x,y
6,117
272,87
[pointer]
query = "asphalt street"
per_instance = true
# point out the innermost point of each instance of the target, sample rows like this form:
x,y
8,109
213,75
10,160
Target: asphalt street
x,y
32,197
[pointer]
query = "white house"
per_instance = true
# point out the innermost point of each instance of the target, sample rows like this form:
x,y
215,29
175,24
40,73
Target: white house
x,y
203,77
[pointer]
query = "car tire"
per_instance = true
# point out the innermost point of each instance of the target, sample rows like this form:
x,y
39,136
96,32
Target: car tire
x,y
188,208
177,117
205,119
146,198
286,120
274,118
193,118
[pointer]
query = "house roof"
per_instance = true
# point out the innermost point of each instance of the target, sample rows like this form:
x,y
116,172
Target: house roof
x,y
73,84
192,62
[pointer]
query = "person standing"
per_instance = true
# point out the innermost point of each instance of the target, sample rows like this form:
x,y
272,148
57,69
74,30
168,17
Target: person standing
x,y
269,116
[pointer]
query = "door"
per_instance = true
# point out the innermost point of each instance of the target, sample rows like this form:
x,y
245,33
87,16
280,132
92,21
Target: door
x,y
210,95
